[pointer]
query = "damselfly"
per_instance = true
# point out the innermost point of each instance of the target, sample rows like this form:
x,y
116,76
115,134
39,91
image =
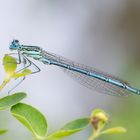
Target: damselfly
x,y
87,76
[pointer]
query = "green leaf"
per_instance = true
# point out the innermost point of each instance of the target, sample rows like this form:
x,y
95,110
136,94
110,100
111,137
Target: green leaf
x,y
23,73
26,72
2,132
114,130
11,100
10,64
70,128
31,118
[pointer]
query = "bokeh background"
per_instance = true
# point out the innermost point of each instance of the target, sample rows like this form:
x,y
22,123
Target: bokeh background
x,y
102,34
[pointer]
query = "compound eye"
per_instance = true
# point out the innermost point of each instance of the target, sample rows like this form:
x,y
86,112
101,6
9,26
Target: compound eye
x,y
16,41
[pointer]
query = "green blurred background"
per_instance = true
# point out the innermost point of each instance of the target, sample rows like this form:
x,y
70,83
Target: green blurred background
x,y
103,34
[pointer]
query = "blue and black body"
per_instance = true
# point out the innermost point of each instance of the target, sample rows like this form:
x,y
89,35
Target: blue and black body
x,y
87,76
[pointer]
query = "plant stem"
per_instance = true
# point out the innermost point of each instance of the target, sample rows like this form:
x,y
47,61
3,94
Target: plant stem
x,y
94,135
3,84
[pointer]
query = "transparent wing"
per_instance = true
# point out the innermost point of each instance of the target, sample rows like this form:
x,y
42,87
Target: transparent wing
x,y
91,82
97,85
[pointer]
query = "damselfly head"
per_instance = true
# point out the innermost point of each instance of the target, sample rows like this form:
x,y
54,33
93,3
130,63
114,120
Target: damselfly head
x,y
14,45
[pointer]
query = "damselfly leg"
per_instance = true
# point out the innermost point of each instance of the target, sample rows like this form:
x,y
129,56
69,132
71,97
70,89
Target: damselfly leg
x,y
31,64
21,59
23,78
